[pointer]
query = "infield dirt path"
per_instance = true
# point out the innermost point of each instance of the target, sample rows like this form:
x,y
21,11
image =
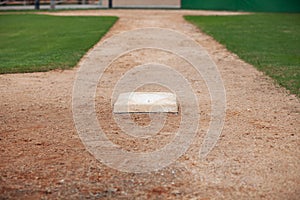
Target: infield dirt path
x,y
257,156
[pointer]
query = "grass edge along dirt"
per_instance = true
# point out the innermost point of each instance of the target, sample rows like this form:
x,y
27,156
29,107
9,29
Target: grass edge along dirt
x,y
35,43
270,42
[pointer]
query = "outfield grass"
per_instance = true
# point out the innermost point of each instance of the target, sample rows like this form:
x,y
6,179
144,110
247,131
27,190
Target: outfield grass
x,y
270,42
30,42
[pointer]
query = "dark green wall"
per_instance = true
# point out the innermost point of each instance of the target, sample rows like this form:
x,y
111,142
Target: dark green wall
x,y
244,5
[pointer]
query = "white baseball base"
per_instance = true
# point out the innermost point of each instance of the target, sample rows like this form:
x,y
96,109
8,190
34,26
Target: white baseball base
x,y
146,102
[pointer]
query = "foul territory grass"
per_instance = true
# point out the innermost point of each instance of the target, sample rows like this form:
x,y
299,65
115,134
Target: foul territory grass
x,y
30,42
270,42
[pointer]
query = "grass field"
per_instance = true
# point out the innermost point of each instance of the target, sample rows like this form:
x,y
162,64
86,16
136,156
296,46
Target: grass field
x,y
31,42
270,42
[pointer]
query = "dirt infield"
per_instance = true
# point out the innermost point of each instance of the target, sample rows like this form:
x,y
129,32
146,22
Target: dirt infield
x,y
257,156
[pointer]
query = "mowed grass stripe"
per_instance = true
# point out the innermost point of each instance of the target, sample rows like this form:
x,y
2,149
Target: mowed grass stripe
x,y
270,42
30,43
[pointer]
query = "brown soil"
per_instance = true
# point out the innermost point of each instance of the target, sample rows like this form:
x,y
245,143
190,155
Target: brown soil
x,y
257,156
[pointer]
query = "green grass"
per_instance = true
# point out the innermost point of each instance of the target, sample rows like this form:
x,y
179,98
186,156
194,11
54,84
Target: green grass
x,y
30,43
270,42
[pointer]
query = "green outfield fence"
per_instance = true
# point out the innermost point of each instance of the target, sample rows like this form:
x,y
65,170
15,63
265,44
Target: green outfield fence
x,y
290,6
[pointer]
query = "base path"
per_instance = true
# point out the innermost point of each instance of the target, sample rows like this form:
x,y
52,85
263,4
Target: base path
x,y
257,155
